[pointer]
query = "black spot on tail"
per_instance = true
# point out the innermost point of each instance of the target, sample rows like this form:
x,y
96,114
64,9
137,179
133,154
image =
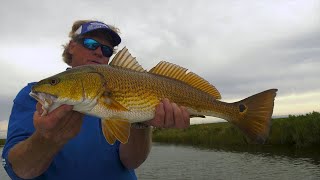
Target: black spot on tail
x,y
242,107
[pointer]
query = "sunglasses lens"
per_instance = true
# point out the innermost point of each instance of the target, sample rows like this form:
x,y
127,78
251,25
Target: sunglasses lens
x,y
107,51
93,45
90,44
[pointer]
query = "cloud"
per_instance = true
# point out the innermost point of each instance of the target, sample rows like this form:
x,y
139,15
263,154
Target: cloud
x,y
297,104
289,64
6,105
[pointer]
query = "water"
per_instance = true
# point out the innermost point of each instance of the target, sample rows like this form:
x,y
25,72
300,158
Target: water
x,y
185,162
3,174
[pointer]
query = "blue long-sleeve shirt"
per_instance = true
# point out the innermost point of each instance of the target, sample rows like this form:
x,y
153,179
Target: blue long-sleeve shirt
x,y
86,156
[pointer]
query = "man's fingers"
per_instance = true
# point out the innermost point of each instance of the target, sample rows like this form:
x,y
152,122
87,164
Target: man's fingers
x,y
72,124
77,120
158,120
186,117
168,109
54,117
170,115
61,111
59,125
178,116
39,108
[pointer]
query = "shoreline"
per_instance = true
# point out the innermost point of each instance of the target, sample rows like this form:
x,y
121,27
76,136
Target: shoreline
x,y
302,131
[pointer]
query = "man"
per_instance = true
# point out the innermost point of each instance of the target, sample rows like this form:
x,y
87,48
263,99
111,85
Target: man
x,y
69,145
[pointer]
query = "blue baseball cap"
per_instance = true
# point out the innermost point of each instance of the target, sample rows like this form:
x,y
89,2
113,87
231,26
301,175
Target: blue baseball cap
x,y
95,25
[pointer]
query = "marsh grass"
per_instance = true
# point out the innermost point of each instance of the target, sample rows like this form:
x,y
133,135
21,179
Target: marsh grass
x,y
2,142
298,131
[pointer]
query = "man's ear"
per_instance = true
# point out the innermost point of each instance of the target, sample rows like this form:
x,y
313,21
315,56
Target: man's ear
x,y
72,46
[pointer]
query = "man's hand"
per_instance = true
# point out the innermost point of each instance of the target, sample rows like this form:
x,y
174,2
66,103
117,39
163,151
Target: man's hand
x,y
32,157
60,125
170,115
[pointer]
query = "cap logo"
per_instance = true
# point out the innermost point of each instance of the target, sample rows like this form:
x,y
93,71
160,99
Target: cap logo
x,y
90,26
96,25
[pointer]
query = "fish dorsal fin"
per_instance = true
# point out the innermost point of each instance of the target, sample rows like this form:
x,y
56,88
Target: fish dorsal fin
x,y
124,59
179,73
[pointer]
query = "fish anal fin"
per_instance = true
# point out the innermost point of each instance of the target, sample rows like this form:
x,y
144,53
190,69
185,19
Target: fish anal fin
x,y
116,129
124,59
179,73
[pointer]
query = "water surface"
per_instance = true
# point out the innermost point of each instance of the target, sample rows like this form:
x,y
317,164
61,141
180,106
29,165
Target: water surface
x,y
3,174
185,162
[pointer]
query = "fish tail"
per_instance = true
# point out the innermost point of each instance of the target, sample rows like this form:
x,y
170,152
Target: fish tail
x,y
254,115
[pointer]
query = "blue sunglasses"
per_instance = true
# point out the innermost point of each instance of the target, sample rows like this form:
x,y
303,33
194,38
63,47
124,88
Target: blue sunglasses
x,y
92,44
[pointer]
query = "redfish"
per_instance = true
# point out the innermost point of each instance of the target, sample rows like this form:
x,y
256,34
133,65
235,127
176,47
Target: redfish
x,y
123,92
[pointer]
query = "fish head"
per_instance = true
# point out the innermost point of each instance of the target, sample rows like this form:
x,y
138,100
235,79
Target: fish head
x,y
77,87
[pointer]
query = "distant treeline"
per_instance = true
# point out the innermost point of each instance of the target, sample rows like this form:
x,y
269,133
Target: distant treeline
x,y
298,131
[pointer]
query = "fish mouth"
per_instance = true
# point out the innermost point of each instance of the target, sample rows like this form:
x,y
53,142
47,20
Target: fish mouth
x,y
46,100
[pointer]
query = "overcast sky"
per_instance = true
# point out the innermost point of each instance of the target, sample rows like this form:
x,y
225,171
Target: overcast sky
x,y
241,47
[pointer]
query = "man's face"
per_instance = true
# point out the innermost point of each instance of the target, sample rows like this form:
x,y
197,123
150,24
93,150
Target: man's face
x,y
83,56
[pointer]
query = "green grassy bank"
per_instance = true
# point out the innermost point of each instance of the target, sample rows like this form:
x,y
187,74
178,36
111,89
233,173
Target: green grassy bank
x,y
298,131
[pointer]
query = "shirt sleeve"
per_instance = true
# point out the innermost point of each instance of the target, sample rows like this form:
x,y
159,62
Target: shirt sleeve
x,y
20,125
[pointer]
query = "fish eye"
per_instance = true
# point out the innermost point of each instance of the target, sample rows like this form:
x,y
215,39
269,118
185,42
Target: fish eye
x,y
54,81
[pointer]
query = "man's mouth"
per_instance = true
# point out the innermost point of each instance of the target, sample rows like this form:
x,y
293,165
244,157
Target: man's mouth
x,y
94,62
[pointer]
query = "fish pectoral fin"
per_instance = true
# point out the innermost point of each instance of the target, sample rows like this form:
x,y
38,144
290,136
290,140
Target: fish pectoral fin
x,y
114,129
110,103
